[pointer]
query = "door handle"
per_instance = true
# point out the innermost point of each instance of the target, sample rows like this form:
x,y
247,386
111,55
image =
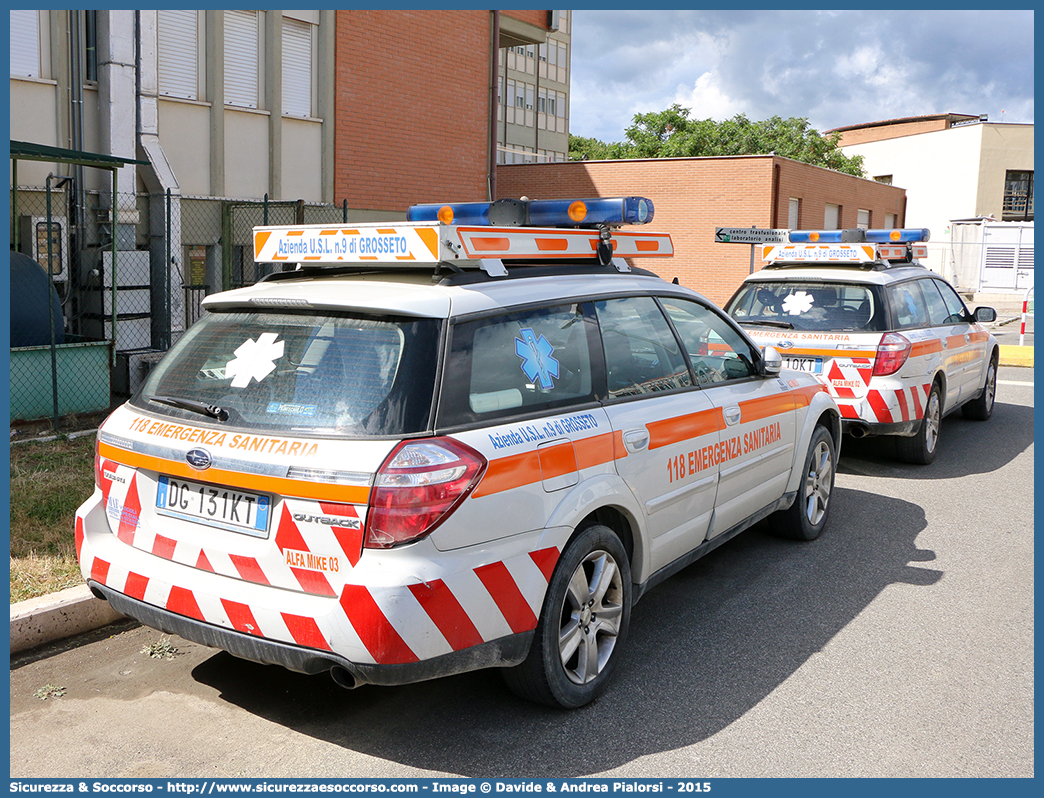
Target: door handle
x,y
636,440
732,415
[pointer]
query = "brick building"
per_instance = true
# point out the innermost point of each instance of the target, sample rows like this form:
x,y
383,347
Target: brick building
x,y
692,196
414,105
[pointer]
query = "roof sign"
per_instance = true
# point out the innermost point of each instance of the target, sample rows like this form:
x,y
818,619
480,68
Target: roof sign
x,y
424,243
822,253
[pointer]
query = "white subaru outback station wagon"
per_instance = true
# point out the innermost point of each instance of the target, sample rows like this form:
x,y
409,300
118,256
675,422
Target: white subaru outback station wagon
x,y
473,439
891,340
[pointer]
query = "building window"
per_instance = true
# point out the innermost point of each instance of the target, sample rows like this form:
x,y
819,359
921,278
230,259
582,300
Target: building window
x,y
297,67
90,45
889,221
25,44
794,214
831,217
1018,195
863,219
885,179
242,59
178,38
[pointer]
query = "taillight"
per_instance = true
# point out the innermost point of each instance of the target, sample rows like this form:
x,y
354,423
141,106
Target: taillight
x,y
418,486
892,353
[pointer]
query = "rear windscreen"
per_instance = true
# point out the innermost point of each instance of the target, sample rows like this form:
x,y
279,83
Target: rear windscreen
x,y
811,305
283,372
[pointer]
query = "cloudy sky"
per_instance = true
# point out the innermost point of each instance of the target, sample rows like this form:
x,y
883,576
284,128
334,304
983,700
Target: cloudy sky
x,y
834,67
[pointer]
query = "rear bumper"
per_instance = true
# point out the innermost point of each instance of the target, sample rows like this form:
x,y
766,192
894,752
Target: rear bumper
x,y
859,428
504,652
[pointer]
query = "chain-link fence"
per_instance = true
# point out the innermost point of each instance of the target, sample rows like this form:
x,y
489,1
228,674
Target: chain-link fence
x,y
89,319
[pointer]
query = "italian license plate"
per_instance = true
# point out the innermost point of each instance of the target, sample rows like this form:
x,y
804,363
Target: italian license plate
x,y
225,508
811,365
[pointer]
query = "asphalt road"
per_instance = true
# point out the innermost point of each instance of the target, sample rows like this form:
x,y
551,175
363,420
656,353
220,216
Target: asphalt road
x,y
1011,333
900,644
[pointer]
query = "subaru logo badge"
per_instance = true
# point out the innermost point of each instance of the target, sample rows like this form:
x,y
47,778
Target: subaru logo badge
x,y
199,459
781,345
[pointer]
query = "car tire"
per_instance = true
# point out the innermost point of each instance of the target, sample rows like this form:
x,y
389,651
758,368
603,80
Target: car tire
x,y
807,516
921,447
583,624
981,408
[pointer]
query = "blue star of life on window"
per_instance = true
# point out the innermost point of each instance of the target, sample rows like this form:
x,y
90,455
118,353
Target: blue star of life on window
x,y
536,358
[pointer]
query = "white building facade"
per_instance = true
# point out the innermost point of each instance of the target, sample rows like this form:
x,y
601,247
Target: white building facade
x,y
969,169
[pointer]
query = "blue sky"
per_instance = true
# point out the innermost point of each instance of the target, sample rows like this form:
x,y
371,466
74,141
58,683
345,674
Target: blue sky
x,y
835,68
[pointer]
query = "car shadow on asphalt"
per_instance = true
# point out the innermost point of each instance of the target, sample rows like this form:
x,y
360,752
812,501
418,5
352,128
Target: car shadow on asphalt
x,y
705,647
966,447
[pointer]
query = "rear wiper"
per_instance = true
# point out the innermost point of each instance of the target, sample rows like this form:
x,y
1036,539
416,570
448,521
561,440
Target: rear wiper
x,y
786,325
195,407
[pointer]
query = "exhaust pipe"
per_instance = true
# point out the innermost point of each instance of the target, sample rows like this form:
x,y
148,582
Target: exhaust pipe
x,y
858,430
343,678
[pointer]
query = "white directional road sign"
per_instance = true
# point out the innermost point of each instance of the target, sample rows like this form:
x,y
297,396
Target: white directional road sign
x,y
750,235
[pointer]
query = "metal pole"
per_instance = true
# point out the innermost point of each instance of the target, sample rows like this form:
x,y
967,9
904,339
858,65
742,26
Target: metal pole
x,y
1025,304
50,309
14,203
167,284
115,214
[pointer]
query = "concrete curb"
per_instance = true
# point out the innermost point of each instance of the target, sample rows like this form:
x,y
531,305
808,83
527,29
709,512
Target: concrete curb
x,y
56,616
1013,355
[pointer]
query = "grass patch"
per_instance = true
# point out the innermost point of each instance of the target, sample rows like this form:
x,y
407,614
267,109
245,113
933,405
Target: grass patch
x,y
50,691
161,649
49,480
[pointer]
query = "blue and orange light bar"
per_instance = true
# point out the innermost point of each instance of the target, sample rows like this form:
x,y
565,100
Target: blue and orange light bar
x,y
596,212
906,235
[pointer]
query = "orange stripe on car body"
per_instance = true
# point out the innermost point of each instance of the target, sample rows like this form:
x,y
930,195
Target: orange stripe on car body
x,y
929,347
515,470
767,406
803,396
834,353
557,460
683,428
348,494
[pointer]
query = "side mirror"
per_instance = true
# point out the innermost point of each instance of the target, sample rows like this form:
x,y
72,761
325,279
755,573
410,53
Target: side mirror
x,y
985,314
771,361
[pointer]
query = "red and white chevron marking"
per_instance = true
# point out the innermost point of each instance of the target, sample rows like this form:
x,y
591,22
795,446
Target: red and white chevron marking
x,y
375,625
888,407
309,555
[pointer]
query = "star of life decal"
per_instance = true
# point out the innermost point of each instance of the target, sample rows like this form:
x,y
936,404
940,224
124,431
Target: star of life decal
x,y
798,303
254,359
536,358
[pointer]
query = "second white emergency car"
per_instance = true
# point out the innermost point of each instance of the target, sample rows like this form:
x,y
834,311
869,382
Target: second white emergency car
x,y
891,340
446,444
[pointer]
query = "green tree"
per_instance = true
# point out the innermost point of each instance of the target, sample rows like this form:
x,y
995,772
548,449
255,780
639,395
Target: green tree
x,y
672,134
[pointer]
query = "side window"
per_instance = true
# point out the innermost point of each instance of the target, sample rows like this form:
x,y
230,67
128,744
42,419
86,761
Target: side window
x,y
717,352
937,310
957,313
538,359
908,308
641,352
